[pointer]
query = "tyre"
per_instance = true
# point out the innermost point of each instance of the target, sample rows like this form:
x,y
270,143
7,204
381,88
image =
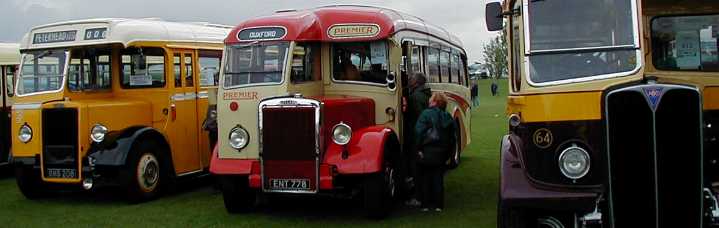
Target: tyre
x,y
510,217
30,183
379,193
144,174
456,155
237,195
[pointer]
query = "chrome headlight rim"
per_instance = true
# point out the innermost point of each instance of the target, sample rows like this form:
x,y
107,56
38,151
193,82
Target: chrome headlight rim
x,y
239,131
25,127
98,133
341,141
574,148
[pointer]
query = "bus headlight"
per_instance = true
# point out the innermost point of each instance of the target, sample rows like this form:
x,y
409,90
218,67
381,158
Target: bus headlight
x,y
574,162
25,133
97,133
341,134
239,138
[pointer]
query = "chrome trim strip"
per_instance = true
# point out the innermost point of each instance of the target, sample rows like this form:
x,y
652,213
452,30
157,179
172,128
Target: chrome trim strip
x,y
190,173
26,106
183,96
203,95
289,102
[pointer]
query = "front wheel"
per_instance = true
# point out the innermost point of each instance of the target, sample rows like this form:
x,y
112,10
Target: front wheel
x,y
144,173
29,182
237,195
379,193
510,217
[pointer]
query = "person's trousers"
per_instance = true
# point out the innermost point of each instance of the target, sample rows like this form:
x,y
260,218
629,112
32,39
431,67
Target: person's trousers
x,y
431,186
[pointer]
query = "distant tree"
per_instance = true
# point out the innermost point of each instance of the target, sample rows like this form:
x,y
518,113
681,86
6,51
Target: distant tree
x,y
495,56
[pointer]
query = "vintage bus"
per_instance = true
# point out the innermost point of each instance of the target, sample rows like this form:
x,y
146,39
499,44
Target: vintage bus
x,y
310,102
611,113
9,60
114,102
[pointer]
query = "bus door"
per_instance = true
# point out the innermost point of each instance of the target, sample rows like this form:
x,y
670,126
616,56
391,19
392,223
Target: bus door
x,y
185,129
7,74
207,78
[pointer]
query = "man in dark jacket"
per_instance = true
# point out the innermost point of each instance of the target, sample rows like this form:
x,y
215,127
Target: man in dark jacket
x,y
417,102
475,94
434,137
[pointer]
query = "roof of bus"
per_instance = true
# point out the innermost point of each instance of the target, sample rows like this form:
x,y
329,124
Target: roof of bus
x,y
9,54
121,30
317,24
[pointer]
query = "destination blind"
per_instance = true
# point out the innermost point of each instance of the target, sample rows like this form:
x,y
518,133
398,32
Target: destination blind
x,y
54,37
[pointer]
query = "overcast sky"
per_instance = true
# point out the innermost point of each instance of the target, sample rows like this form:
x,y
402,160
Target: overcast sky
x,y
464,18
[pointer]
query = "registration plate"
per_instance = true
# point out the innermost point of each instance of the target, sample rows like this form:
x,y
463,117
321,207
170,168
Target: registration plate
x,y
290,184
61,173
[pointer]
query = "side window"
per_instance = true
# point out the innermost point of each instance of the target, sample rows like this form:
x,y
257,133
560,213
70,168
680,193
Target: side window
x,y
177,70
463,71
444,67
433,65
415,60
189,75
306,64
143,68
89,69
10,80
516,54
454,66
209,67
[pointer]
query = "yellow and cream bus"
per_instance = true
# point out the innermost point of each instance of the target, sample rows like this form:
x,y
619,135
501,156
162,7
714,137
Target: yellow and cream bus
x,y
310,102
9,60
612,113
113,102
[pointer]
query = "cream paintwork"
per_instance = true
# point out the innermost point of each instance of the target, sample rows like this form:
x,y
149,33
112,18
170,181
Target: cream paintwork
x,y
246,115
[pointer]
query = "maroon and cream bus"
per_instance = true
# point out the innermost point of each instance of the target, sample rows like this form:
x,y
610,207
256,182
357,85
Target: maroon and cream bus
x,y
310,102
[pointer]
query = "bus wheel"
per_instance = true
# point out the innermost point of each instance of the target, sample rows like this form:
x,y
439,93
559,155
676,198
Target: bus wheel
x,y
29,182
144,172
237,195
379,191
510,217
456,158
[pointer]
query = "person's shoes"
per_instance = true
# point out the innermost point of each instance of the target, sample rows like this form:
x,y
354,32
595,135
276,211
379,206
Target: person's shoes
x,y
438,209
412,202
425,209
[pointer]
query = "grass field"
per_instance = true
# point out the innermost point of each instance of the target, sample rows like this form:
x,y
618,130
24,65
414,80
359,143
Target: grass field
x,y
471,195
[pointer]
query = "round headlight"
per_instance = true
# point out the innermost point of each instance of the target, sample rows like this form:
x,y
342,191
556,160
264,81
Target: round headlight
x,y
239,138
341,134
97,133
25,133
574,162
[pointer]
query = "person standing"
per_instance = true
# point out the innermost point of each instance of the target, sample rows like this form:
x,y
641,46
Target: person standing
x,y
417,101
475,94
434,139
494,88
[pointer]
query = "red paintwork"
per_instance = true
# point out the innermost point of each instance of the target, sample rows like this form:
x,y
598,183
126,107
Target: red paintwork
x,y
463,103
357,112
366,150
230,166
313,24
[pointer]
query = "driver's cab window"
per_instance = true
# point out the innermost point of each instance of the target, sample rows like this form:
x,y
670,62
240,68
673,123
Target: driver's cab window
x,y
306,64
360,61
10,80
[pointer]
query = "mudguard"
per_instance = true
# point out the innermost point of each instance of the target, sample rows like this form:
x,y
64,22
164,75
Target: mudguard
x,y
364,153
230,166
114,149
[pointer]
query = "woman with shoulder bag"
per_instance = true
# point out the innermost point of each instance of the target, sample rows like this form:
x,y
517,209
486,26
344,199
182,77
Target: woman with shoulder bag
x,y
434,133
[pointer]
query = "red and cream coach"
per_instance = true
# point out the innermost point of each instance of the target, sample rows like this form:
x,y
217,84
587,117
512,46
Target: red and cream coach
x,y
310,102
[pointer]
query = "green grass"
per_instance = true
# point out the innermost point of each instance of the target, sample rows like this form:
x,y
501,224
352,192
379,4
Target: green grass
x,y
471,195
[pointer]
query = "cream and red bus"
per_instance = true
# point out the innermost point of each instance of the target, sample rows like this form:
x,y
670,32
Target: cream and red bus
x,y
113,102
310,102
9,60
